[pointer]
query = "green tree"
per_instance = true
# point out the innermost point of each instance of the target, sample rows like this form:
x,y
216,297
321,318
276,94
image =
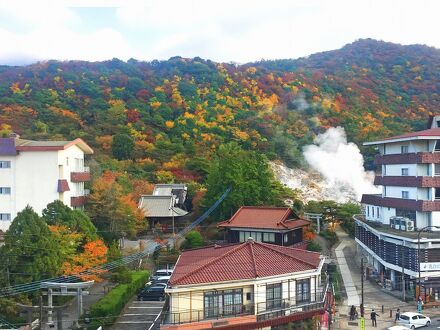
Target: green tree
x,y
193,239
57,213
249,175
30,251
122,146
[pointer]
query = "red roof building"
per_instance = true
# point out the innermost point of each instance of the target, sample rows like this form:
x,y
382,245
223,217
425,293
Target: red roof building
x,y
252,284
276,225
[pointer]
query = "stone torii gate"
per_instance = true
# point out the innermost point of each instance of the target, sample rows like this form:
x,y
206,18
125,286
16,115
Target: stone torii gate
x,y
77,289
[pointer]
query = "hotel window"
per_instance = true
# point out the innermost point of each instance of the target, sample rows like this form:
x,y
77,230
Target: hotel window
x,y
286,238
405,172
5,164
5,217
378,212
5,190
405,194
437,145
368,211
372,211
404,149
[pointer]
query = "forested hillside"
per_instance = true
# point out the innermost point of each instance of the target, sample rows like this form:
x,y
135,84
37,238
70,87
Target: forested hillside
x,y
162,120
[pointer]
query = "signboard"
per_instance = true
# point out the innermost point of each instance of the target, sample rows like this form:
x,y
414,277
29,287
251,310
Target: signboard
x,y
429,266
362,323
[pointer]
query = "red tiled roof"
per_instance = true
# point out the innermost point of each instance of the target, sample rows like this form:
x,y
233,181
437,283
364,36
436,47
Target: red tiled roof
x,y
278,218
241,261
432,132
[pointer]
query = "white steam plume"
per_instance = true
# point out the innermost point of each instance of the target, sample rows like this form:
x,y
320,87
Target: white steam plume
x,y
341,164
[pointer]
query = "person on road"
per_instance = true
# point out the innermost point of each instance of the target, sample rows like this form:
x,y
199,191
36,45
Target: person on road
x,y
374,315
397,315
352,312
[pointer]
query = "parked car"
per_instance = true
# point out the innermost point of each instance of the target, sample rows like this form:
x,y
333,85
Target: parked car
x,y
414,320
161,273
153,292
161,280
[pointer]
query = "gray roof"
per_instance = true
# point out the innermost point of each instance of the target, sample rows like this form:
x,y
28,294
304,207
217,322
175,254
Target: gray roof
x,y
165,189
159,207
30,143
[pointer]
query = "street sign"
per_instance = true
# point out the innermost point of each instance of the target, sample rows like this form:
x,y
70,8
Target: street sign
x,y
428,266
362,323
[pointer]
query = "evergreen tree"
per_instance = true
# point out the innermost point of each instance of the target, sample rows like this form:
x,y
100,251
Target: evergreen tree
x,y
30,252
122,146
249,175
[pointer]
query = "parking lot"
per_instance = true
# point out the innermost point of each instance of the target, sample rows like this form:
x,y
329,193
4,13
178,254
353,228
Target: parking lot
x,y
144,315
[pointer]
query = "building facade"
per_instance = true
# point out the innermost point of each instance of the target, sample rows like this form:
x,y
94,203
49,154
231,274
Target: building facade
x,y
36,173
251,284
387,233
275,225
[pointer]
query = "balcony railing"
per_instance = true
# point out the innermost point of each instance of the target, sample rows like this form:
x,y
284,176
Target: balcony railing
x,y
78,200
410,158
265,311
208,314
408,181
80,176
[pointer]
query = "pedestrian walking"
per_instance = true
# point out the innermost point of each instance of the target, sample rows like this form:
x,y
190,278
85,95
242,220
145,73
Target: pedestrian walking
x,y
352,312
397,315
373,316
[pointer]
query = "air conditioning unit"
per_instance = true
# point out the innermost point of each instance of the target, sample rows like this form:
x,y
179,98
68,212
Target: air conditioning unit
x,y
401,223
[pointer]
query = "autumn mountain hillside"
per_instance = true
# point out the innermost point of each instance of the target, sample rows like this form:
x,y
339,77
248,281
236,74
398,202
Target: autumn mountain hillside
x,y
174,113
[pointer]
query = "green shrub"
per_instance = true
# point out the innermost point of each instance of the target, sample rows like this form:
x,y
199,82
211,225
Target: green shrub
x,y
314,246
330,236
106,310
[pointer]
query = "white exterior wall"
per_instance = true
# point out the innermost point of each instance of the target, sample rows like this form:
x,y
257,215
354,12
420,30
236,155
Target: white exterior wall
x,y
435,218
423,194
396,169
387,213
413,146
373,212
396,192
422,219
33,179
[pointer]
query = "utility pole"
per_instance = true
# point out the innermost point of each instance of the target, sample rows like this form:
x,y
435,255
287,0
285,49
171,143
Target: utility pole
x,y
403,273
362,319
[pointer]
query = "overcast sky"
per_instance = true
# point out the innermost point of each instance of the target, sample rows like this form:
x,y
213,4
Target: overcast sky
x,y
227,30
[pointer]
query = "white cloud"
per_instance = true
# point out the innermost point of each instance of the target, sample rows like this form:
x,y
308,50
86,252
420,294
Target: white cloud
x,y
230,30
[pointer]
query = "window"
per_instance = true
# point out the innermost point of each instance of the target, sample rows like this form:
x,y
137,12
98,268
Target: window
x,y
5,190
378,212
303,291
368,211
437,169
437,145
5,164
273,295
372,211
5,217
219,303
405,194
405,172
437,193
404,149
268,237
286,238
242,236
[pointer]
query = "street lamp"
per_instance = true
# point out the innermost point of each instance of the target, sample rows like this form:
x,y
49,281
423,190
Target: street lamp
x,y
418,252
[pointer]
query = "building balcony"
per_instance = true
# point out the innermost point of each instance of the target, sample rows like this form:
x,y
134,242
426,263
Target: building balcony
x,y
80,176
78,201
401,203
408,181
250,316
410,158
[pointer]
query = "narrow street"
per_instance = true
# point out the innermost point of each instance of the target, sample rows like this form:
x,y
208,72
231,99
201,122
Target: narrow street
x,y
374,296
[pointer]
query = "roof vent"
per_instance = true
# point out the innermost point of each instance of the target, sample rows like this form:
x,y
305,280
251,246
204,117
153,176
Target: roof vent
x,y
216,246
250,240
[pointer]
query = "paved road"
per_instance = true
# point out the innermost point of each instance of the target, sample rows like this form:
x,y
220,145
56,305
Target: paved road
x,y
139,315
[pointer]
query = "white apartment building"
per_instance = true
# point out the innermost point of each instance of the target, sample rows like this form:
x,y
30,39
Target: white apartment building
x,y
36,173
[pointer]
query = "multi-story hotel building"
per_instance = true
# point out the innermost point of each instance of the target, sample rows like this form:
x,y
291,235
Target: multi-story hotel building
x,y
388,232
36,173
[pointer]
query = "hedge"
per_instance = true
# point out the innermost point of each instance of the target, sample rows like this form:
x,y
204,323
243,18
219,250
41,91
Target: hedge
x,y
107,309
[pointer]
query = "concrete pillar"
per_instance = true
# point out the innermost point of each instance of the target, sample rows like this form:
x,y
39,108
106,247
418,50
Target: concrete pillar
x,y
393,278
50,305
